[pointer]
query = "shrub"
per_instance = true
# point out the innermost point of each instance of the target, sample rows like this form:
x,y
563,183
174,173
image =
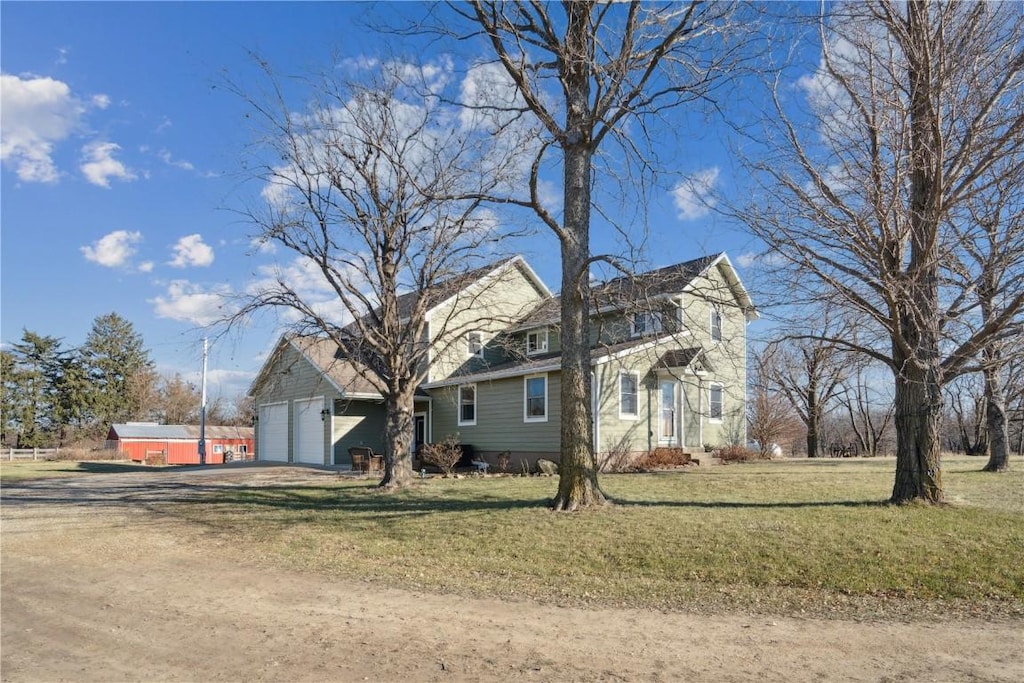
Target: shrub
x,y
618,458
504,460
738,454
663,457
444,455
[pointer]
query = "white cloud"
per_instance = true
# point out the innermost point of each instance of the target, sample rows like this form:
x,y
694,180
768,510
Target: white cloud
x,y
113,250
192,251
146,267
166,157
101,101
693,196
190,303
99,164
37,113
768,260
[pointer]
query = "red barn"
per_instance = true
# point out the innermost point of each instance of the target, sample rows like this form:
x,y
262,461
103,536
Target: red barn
x,y
179,444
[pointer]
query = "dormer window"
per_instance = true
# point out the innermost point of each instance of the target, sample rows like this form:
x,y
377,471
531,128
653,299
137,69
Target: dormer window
x,y
646,322
475,344
536,342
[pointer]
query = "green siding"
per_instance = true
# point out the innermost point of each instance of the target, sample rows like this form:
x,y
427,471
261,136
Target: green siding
x,y
499,422
357,423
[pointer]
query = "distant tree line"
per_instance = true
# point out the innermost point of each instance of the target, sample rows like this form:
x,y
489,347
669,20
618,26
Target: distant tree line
x,y
816,399
54,396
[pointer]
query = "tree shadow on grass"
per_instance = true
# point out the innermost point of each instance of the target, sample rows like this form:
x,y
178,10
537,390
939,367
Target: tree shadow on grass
x,y
157,494
744,505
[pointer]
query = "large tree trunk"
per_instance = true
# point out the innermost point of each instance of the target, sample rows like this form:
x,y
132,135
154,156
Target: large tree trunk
x,y
916,352
812,420
995,415
918,422
398,427
577,483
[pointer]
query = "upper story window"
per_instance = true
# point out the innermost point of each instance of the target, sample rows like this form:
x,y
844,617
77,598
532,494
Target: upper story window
x,y
475,344
715,402
535,398
536,342
716,325
467,405
628,383
646,322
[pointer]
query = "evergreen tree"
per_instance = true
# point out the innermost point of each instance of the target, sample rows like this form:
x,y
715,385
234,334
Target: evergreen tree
x,y
123,381
8,397
34,374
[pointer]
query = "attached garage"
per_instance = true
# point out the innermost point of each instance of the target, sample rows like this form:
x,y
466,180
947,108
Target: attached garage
x,y
273,432
309,430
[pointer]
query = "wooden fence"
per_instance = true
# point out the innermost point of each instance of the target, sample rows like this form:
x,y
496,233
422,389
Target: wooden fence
x,y
26,453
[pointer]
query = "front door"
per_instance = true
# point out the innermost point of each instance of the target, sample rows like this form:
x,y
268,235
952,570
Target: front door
x,y
419,432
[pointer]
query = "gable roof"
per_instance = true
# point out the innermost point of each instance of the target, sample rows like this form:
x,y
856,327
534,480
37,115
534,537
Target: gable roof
x,y
653,284
442,292
326,358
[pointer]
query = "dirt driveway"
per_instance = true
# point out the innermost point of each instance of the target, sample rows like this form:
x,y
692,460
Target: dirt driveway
x,y
98,586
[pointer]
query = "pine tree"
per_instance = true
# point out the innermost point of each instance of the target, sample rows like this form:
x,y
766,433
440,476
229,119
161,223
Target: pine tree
x,y
120,371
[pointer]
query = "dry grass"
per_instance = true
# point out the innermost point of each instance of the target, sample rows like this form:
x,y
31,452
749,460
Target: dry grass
x,y
798,537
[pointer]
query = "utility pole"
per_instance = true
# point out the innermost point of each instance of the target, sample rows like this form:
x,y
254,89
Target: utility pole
x,y
202,412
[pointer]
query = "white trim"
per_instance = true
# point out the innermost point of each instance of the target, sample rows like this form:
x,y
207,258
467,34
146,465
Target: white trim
x,y
661,411
542,347
656,319
711,325
479,353
461,422
721,403
526,381
636,395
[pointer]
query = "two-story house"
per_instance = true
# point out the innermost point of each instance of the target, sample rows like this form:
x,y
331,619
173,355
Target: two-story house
x,y
668,358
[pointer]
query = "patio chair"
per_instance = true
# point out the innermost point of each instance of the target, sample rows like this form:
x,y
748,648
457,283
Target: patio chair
x,y
361,458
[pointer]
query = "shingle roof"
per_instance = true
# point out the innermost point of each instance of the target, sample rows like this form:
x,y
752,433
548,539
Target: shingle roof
x,y
623,290
553,361
326,357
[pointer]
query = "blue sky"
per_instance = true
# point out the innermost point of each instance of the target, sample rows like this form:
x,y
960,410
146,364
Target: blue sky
x,y
122,159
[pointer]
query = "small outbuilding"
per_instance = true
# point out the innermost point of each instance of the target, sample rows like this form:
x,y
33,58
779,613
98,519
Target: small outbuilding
x,y
179,444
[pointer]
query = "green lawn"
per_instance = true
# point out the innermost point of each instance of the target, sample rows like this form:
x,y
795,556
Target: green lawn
x,y
798,537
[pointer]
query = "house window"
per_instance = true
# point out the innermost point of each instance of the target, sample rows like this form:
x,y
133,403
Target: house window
x,y
536,342
646,322
535,392
628,383
467,405
716,325
715,402
475,344
668,410
218,448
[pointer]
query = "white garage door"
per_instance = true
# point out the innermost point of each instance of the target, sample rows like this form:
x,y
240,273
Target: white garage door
x,y
309,431
273,443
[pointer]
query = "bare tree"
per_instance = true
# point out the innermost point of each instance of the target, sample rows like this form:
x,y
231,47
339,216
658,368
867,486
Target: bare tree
x,y
587,71
179,401
919,109
988,273
808,372
869,411
772,416
372,187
